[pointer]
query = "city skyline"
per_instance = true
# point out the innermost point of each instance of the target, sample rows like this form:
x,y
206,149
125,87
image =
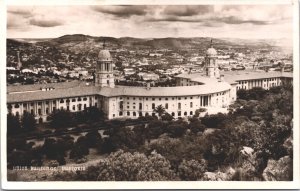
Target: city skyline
x,y
152,21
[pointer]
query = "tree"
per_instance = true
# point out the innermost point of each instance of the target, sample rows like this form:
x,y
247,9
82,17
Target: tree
x,y
13,124
167,117
156,128
124,166
214,121
54,150
196,126
28,121
176,130
61,118
93,138
159,110
94,114
192,170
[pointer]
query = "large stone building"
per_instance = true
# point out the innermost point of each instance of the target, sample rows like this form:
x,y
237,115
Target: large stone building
x,y
212,90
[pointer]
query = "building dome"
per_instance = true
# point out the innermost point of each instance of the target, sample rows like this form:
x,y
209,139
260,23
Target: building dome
x,y
211,52
104,55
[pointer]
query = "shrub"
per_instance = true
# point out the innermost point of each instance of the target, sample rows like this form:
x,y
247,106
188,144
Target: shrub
x,y
54,149
93,138
78,151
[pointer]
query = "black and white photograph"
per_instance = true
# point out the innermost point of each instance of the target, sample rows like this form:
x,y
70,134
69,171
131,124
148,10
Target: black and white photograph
x,y
199,94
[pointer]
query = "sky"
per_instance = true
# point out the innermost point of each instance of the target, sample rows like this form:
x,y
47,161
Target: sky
x,y
151,21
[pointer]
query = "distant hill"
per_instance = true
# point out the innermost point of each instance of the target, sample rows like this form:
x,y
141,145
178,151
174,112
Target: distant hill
x,y
79,43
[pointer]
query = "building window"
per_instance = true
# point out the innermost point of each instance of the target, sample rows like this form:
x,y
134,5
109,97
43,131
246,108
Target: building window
x,y
191,113
173,98
140,98
185,98
166,99
17,106
153,114
73,100
191,104
84,106
140,114
79,99
146,98
185,113
179,113
153,99
114,115
153,105
179,98
68,101
134,114
31,111
73,108
127,106
140,106
128,113
133,107
24,104
61,101
173,114
166,106
179,105
68,108
159,99
84,99
40,111
120,113
121,105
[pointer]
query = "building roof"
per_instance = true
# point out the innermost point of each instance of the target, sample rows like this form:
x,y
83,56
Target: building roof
x,y
198,77
81,89
26,93
164,91
104,55
235,76
211,52
61,90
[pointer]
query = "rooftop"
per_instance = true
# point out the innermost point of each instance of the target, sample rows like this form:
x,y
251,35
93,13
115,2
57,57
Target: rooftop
x,y
235,76
75,89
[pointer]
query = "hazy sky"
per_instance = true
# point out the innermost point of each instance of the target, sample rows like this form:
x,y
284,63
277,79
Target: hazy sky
x,y
232,21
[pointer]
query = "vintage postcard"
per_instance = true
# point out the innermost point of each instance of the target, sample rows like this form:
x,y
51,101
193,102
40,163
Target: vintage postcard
x,y
149,94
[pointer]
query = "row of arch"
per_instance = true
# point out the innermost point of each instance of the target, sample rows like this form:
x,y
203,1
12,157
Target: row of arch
x,y
140,114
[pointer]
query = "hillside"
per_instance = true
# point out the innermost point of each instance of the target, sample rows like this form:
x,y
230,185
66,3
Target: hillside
x,y
82,43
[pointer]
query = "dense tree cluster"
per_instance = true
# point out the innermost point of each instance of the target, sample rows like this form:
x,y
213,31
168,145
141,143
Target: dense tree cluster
x,y
200,148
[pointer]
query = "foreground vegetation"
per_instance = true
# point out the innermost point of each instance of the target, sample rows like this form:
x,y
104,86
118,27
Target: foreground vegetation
x,y
252,142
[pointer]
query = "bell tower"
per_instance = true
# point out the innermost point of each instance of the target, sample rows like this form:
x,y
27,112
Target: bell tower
x,y
211,65
104,70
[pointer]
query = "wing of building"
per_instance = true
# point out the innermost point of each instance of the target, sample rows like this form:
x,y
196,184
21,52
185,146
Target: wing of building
x,y
213,90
